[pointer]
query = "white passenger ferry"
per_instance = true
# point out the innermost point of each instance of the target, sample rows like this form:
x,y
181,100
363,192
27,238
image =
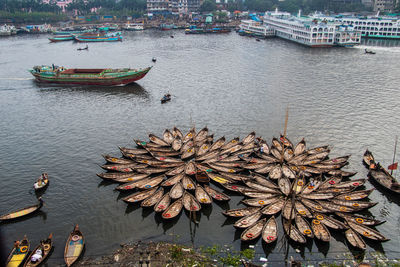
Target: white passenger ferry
x,y
311,32
372,27
255,28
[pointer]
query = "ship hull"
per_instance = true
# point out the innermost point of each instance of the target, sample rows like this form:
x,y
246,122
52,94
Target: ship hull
x,y
97,80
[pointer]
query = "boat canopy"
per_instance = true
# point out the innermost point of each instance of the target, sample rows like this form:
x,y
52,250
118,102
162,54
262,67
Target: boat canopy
x,y
72,71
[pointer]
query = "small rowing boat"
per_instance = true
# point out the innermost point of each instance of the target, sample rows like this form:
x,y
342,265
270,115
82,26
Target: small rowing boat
x,y
42,182
42,251
19,253
22,212
74,246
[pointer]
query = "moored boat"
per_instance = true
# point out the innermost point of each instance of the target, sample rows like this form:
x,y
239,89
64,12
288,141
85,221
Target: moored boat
x,y
383,178
105,76
19,253
61,38
41,251
74,246
253,231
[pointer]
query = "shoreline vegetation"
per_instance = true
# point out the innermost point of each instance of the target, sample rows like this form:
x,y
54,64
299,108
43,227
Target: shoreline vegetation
x,y
173,254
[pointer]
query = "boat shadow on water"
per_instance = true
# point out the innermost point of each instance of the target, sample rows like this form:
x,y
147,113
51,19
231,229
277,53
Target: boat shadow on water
x,y
392,197
131,89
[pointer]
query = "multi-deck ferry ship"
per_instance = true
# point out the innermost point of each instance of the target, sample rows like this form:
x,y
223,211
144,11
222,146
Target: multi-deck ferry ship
x,y
372,27
311,32
255,28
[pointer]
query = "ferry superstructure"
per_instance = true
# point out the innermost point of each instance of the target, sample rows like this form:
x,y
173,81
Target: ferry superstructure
x,y
311,32
255,28
372,27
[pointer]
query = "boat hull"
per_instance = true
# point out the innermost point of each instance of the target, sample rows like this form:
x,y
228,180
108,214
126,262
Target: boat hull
x,y
94,80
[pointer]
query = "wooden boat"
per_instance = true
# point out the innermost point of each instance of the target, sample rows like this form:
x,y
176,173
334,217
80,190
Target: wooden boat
x,y
285,142
190,203
132,185
314,205
217,144
173,210
153,170
249,138
203,149
303,226
341,173
277,154
248,220
42,182
175,171
123,167
232,149
287,172
165,98
263,147
332,182
18,255
368,159
260,187
163,203
188,183
230,164
329,221
288,154
74,246
326,167
383,178
248,146
298,160
253,231
153,199
270,231
253,193
320,231
216,194
302,209
166,155
274,207
202,196
61,38
285,185
241,211
210,156
85,39
134,151
366,231
277,144
293,232
115,160
311,186
188,153
319,149
43,249
358,219
151,182
328,205
202,134
222,169
288,211
202,177
230,144
173,180
300,147
157,140
352,183
369,52
145,144
189,135
105,77
222,180
357,205
260,202
276,172
267,158
338,160
139,196
177,191
355,239
263,181
317,195
190,168
123,177
22,212
177,143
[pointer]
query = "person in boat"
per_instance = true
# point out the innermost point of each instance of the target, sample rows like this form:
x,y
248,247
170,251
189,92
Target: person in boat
x,y
312,182
37,256
16,245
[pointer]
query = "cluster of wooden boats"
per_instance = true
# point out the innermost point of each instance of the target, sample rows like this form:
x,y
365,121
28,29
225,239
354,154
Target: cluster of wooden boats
x,y
310,190
381,176
22,256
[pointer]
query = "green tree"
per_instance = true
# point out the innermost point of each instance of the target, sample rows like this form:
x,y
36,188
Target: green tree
x,y
208,6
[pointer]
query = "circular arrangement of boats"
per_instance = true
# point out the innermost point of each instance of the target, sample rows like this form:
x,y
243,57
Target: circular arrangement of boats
x,y
309,189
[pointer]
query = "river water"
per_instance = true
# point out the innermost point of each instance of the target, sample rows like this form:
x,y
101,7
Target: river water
x,y
232,84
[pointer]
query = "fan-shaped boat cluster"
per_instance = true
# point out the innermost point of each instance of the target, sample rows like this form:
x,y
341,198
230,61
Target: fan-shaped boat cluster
x,y
310,190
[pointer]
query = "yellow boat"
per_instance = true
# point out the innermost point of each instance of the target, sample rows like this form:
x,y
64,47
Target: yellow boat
x,y
19,253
